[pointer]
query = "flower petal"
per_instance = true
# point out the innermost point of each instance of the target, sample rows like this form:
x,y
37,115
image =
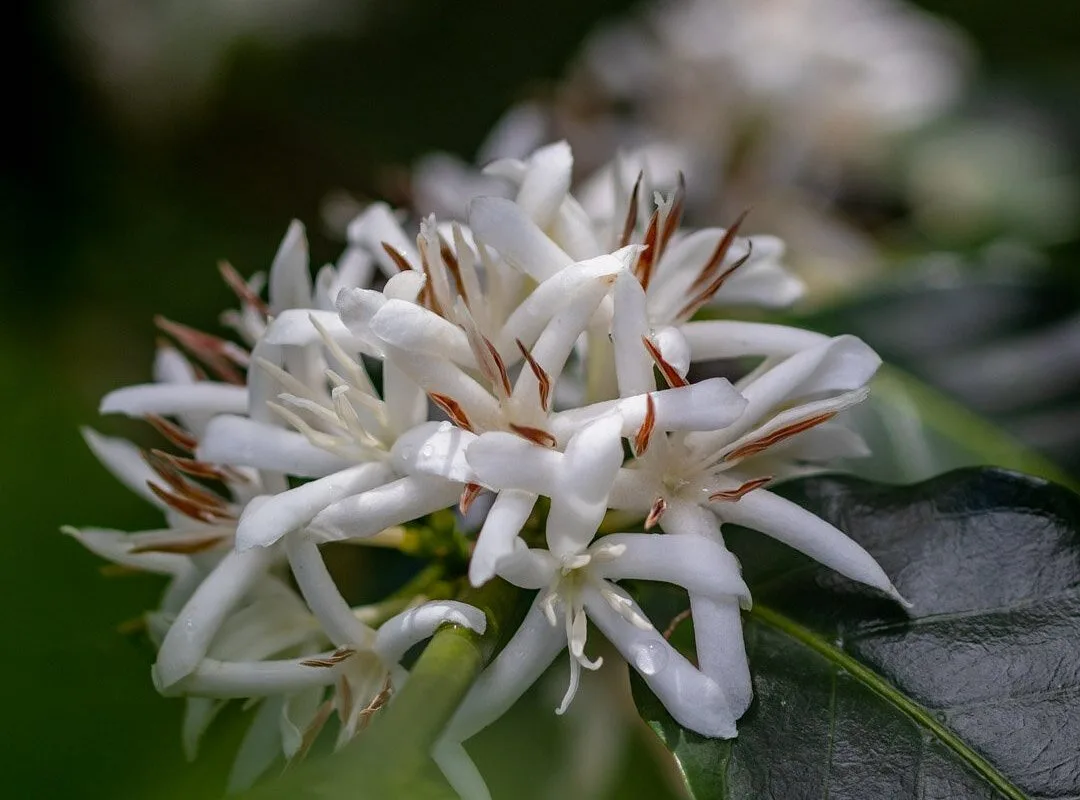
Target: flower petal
x,y
260,747
213,678
460,771
524,658
709,339
502,224
264,523
793,525
171,398
124,460
546,183
198,622
375,225
506,461
414,328
630,324
393,503
504,521
116,547
694,699
579,500
400,632
528,568
435,448
322,595
240,441
290,283
693,562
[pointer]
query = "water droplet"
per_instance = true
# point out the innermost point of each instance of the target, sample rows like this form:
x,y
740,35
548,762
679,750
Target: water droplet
x,y
650,657
407,453
427,451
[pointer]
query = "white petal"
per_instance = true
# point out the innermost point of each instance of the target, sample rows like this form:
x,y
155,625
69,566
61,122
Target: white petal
x,y
199,712
579,500
214,678
693,562
260,747
710,339
524,658
630,325
171,366
124,460
168,399
635,490
721,650
414,328
695,700
264,523
323,597
116,547
793,525
356,307
574,231
506,461
405,286
294,327
674,348
240,441
702,406
504,521
528,568
546,183
434,448
290,283
440,376
402,631
198,622
762,281
502,224
460,771
393,503
822,444
377,224
404,399
534,312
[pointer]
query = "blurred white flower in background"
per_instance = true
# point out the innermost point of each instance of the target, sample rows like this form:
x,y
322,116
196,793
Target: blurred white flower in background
x,y
158,60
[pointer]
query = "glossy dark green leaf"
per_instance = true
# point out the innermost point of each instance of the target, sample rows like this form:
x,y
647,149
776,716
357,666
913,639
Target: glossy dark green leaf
x,y
976,694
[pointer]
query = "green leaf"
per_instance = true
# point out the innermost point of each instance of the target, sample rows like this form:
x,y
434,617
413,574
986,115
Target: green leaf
x,y
975,695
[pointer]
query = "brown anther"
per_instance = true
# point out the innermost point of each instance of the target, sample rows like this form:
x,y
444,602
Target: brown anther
x,y
188,507
453,410
397,257
645,432
671,375
734,495
659,506
173,432
118,570
676,621
631,212
312,731
187,545
240,288
500,367
674,216
450,258
647,258
707,294
535,435
542,378
192,466
427,294
343,698
468,495
780,434
132,626
219,355
716,260
332,660
377,702
162,464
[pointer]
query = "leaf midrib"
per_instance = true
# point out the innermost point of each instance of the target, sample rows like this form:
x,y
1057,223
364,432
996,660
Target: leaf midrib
x,y
879,686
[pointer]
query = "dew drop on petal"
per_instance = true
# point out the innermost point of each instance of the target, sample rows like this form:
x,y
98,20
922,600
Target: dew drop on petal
x,y
427,451
650,657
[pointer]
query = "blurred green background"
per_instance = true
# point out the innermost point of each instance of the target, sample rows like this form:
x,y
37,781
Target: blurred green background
x,y
110,218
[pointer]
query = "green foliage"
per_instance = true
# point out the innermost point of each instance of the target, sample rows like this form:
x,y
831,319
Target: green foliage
x,y
974,694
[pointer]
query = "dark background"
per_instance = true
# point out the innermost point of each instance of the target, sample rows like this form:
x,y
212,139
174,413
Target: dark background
x,y
107,221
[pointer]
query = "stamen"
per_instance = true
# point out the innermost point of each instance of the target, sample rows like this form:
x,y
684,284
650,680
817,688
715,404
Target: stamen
x,y
183,545
332,660
659,506
777,436
487,356
734,495
312,731
671,375
542,378
453,267
193,467
624,607
189,507
707,294
535,435
219,355
160,463
240,287
645,432
468,495
673,217
453,409
399,259
377,702
173,432
631,212
605,551
717,258
647,258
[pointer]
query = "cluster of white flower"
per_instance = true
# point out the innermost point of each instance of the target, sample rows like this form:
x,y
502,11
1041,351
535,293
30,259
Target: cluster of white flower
x,y
538,334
